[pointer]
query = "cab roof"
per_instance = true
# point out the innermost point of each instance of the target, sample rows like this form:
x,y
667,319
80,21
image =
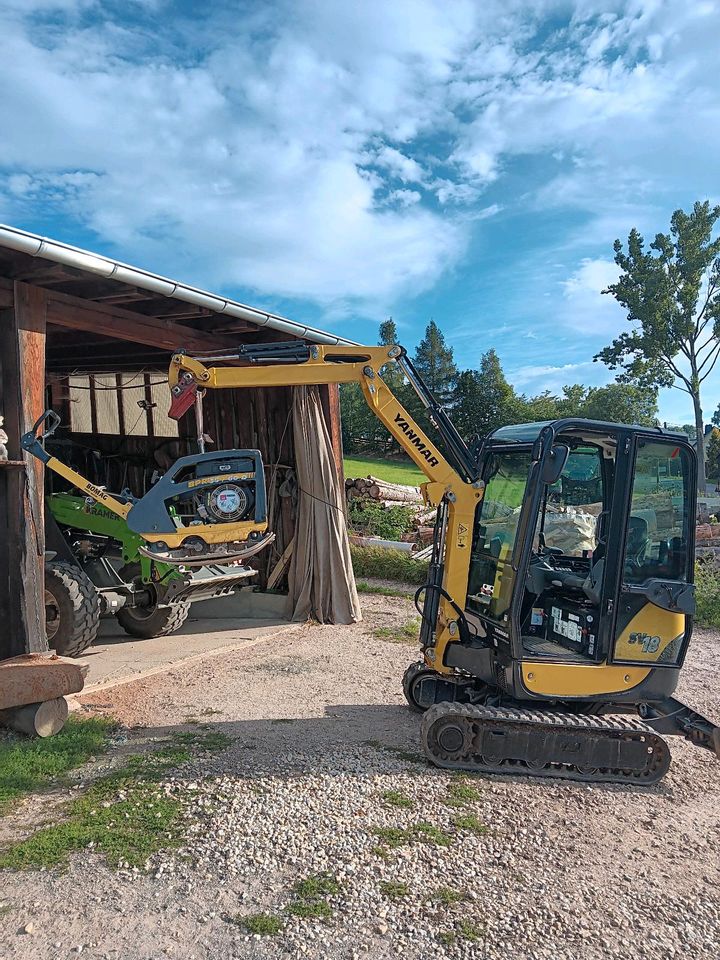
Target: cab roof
x,y
529,432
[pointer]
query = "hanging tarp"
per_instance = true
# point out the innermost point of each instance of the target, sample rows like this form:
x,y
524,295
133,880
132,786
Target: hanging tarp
x,y
321,580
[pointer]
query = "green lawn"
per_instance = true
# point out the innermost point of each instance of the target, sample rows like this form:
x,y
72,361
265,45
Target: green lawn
x,y
394,471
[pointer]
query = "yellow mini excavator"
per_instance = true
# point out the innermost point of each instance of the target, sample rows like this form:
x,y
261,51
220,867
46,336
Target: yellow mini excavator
x,y
559,602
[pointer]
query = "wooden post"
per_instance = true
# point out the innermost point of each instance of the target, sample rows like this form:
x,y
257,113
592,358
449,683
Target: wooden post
x,y
330,401
22,400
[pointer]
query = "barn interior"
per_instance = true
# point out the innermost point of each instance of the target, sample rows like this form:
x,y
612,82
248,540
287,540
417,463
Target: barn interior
x,y
91,338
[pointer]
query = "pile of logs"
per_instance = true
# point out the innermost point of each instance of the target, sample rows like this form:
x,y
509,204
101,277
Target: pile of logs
x,y
391,494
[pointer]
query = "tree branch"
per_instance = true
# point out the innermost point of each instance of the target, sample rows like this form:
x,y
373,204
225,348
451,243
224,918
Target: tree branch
x,y
715,350
677,372
711,289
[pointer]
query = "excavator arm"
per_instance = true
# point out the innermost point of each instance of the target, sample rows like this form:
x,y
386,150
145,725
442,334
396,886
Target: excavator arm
x,y
452,485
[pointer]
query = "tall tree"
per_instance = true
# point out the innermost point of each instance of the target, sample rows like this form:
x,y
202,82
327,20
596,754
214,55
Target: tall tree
x,y
713,455
435,363
484,400
621,403
672,296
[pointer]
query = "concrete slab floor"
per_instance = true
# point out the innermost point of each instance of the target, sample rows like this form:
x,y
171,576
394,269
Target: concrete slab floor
x,y
117,658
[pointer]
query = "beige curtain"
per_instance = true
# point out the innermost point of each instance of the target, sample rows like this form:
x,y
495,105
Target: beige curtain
x,y
321,580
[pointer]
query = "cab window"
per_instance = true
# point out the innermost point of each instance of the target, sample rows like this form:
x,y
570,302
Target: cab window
x,y
657,533
496,523
569,519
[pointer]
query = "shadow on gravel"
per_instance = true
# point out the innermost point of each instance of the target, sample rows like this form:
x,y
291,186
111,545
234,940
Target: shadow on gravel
x,y
288,746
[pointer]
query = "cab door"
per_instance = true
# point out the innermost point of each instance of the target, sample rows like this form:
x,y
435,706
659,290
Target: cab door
x,y
656,597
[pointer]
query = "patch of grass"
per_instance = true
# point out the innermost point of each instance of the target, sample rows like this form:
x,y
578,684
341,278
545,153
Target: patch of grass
x,y
209,741
364,587
468,821
408,755
317,885
395,565
394,889
446,896
263,924
393,471
30,765
468,931
393,837
428,833
376,744
311,892
463,931
395,798
407,632
460,794
125,816
311,909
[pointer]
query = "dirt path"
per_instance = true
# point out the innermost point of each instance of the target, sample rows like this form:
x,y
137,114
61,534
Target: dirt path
x,y
323,777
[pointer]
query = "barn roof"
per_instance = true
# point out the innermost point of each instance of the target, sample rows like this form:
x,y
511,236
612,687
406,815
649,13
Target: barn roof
x,y
71,272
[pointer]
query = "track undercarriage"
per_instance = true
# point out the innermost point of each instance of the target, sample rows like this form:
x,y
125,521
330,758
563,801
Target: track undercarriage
x,y
510,740
470,726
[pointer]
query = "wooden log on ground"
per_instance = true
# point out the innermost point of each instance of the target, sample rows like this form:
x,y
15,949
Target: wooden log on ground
x,y
34,678
379,491
37,719
390,483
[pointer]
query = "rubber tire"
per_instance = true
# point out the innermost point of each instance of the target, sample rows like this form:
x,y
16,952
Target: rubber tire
x,y
408,682
161,622
78,606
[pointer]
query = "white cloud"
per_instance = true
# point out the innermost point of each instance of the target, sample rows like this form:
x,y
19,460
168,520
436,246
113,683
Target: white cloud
x,y
342,153
585,308
534,378
246,166
405,198
398,165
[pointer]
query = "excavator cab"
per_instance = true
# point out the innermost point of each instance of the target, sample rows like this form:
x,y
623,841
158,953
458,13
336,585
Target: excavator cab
x,y
581,566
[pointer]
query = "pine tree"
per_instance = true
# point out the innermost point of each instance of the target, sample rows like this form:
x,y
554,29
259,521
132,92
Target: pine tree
x,y
435,363
484,400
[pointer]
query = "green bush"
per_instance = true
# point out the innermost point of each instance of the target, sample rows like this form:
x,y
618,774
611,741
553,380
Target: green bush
x,y
707,593
388,565
371,518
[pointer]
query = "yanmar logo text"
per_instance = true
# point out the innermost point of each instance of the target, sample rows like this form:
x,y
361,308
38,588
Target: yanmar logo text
x,y
421,447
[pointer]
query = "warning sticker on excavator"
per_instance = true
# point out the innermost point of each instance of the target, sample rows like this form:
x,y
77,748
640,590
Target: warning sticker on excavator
x,y
462,534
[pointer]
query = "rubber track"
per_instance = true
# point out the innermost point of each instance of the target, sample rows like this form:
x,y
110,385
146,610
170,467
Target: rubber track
x,y
470,716
80,591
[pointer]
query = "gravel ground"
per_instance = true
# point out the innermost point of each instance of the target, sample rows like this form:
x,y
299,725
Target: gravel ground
x,y
323,752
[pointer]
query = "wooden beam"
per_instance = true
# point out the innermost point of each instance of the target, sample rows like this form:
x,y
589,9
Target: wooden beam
x,y
170,307
74,313
22,592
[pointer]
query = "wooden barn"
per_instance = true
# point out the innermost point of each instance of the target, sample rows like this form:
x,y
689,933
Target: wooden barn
x,y
91,338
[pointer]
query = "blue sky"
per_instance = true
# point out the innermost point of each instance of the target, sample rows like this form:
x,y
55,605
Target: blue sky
x,y
467,161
